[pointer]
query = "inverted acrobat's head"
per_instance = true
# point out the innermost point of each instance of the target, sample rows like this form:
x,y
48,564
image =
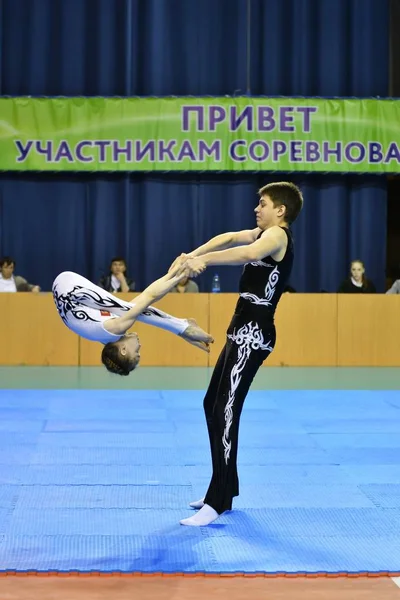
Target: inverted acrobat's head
x,y
123,356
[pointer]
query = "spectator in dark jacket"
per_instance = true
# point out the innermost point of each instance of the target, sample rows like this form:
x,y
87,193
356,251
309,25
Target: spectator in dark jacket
x,y
357,283
117,279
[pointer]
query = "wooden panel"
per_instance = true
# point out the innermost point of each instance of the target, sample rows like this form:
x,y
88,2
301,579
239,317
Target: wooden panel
x,y
161,348
369,330
312,330
305,324
32,332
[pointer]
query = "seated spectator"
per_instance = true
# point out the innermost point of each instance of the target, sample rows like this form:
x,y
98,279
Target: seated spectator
x,y
13,283
393,281
395,289
357,283
186,286
117,279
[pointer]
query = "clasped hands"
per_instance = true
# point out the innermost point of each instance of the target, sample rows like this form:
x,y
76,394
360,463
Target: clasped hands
x,y
192,266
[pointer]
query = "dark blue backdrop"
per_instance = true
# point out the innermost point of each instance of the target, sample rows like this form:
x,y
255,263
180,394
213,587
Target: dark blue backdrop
x,y
162,47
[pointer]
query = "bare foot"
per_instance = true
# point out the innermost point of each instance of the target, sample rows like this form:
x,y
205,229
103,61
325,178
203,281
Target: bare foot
x,y
196,336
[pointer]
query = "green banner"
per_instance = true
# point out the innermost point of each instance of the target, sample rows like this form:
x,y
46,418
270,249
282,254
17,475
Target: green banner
x,y
200,134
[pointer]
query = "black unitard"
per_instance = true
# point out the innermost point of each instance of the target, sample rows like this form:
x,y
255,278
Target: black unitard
x,y
250,339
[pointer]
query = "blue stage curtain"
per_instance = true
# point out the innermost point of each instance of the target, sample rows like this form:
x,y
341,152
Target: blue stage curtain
x,y
163,47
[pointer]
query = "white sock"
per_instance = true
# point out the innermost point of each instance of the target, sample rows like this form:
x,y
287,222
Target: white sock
x,y
197,505
205,516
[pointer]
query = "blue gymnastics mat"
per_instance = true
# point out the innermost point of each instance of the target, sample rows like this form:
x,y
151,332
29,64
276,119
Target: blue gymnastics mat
x,y
97,480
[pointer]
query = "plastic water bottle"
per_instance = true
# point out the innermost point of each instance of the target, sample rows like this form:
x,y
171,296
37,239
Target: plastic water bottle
x,y
216,286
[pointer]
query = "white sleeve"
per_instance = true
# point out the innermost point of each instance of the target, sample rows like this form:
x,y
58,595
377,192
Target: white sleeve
x,y
162,320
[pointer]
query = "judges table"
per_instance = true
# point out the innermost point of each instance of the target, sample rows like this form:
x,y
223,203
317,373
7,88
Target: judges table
x,y
312,330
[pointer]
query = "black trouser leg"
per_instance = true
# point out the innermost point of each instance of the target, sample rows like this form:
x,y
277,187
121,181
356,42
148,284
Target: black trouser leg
x,y
209,407
232,378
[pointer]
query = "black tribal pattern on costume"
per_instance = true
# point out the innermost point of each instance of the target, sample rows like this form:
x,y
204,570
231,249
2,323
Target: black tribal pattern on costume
x,y
71,302
153,312
74,302
79,294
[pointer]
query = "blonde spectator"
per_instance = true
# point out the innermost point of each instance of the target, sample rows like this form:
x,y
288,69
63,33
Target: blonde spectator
x,y
357,282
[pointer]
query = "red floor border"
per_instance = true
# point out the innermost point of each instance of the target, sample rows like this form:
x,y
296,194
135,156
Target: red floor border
x,y
200,574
